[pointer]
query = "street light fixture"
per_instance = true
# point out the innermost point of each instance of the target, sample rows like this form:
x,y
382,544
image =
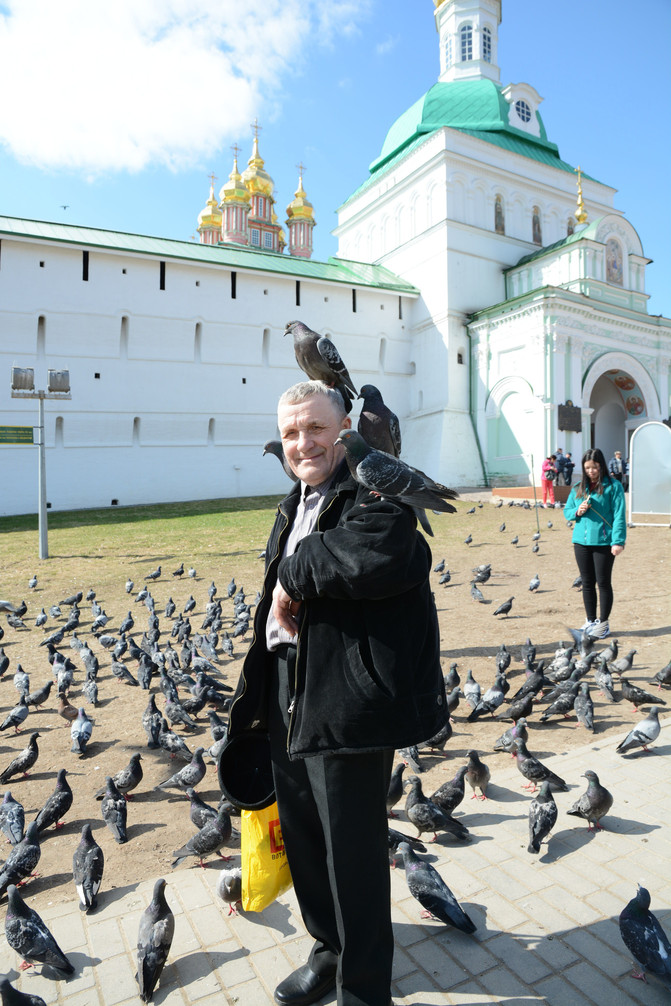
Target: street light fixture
x,y
58,387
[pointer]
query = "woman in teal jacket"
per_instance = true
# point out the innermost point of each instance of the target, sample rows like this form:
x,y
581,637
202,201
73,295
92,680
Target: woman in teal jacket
x,y
596,504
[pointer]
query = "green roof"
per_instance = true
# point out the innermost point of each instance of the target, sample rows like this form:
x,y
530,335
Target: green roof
x,y
475,107
230,256
588,232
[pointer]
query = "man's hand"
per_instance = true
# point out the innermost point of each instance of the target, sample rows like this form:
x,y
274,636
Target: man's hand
x,y
285,609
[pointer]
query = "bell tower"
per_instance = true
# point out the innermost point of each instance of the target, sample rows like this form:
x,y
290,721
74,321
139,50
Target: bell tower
x,y
468,31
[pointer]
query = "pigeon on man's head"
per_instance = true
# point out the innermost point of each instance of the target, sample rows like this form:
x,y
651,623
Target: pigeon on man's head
x,y
644,937
275,447
392,478
318,357
155,934
643,734
377,424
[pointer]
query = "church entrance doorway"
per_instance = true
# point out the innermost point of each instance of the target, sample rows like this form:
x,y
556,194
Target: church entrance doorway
x,y
618,406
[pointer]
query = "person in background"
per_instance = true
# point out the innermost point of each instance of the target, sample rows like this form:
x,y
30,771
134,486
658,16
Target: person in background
x,y
548,475
625,476
617,467
568,469
597,506
560,464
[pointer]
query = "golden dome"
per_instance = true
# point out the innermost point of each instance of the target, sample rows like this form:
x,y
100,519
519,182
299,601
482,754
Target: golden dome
x,y
300,207
210,215
255,177
234,190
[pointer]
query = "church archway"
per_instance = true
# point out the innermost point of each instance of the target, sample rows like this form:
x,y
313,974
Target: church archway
x,y
511,410
622,396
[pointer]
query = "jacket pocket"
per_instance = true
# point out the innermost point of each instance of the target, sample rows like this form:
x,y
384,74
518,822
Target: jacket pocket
x,y
361,674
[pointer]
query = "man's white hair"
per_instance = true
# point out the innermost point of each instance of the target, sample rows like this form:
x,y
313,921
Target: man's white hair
x,y
300,392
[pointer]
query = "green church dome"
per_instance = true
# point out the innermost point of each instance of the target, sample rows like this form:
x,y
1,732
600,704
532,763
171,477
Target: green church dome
x,y
474,106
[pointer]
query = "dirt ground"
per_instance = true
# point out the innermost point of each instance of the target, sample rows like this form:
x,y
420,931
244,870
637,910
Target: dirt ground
x,y
158,822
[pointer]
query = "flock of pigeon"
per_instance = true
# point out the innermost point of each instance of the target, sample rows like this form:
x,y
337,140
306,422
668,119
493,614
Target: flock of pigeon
x,y
160,649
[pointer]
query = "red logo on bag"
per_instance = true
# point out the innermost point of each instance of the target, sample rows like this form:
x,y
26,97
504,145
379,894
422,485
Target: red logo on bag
x,y
275,832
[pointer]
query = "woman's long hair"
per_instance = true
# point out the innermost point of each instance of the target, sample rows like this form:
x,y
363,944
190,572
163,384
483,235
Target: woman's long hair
x,y
593,454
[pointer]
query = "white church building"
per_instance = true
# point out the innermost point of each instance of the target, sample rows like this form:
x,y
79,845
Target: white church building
x,y
494,295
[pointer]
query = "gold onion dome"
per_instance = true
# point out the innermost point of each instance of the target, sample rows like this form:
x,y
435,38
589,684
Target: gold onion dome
x,y
210,215
254,176
300,207
234,190
281,236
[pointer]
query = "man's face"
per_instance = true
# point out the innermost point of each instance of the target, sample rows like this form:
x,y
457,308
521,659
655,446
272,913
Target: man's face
x,y
309,431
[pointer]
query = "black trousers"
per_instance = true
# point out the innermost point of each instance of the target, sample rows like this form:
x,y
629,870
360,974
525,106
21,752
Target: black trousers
x,y
595,563
334,826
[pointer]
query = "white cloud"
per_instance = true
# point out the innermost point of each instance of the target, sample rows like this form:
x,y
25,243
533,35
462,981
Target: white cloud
x,y
109,85
386,45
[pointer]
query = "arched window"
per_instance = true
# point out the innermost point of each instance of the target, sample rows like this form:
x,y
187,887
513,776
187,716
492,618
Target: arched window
x,y
536,232
265,347
197,339
570,226
487,44
499,219
41,335
136,432
460,356
210,432
466,40
59,431
123,339
613,262
382,355
448,52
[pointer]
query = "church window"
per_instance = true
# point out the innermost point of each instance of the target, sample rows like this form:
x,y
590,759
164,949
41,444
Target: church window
x,y
523,110
613,262
59,431
255,236
197,342
85,266
210,430
460,357
298,293
161,275
136,431
536,232
267,240
570,226
234,285
353,300
466,37
448,52
123,341
499,220
487,44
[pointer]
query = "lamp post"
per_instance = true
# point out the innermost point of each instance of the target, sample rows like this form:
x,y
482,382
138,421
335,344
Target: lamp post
x,y
58,387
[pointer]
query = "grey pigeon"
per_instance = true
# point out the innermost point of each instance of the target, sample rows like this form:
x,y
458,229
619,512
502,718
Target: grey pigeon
x,y
40,695
472,690
30,936
624,664
199,812
57,805
663,677
428,887
174,745
9,996
604,682
12,818
542,817
318,357
534,583
188,776
209,840
594,803
24,760
114,811
490,701
22,860
377,424
229,888
391,478
477,594
21,681
41,618
275,447
563,704
504,608
410,756
87,870
638,696
643,734
154,575
154,939
534,771
80,733
644,937
16,716
508,741
477,775
126,779
584,707
428,816
450,794
395,790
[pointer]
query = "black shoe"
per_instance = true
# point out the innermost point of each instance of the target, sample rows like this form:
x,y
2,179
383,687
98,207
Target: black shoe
x,y
303,987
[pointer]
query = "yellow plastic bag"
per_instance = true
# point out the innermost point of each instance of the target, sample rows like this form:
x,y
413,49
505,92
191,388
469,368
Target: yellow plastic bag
x,y
265,870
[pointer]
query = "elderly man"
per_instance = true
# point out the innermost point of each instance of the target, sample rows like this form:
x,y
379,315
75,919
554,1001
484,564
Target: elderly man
x,y
344,668
617,467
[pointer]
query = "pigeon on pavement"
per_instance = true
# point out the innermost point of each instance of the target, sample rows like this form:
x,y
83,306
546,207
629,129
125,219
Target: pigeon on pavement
x,y
157,928
208,840
189,776
490,701
229,888
10,996
87,870
318,357
395,791
30,937
450,794
477,775
584,707
12,818
126,779
638,696
644,937
428,887
643,734
377,424
428,816
594,803
22,860
508,741
542,817
199,812
534,770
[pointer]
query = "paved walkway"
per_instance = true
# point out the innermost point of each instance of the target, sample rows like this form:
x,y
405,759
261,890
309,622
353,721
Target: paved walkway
x,y
547,926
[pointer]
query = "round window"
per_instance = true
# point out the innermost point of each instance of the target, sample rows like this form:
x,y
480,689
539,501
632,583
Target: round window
x,y
523,110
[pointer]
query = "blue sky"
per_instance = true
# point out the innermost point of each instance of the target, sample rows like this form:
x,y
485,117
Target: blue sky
x,y
120,109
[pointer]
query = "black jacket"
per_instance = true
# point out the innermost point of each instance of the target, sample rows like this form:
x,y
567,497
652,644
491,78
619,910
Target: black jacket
x,y
368,671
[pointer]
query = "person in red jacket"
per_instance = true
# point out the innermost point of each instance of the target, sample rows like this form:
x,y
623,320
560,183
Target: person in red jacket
x,y
548,475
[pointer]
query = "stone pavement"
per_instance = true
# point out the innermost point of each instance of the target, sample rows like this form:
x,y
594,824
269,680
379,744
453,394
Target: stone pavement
x,y
547,925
